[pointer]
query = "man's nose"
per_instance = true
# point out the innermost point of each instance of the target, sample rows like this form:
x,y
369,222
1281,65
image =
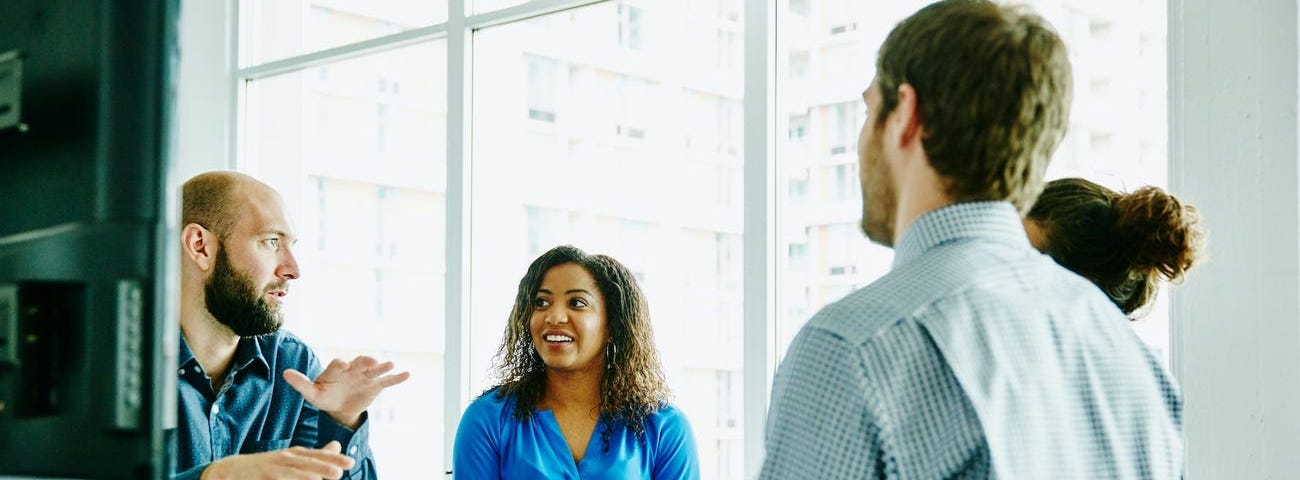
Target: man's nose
x,y
288,268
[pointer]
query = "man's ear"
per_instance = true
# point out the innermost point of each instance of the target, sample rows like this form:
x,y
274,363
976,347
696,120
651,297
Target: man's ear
x,y
199,245
907,117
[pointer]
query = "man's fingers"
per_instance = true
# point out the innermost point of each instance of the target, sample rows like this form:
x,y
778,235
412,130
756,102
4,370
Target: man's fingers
x,y
330,454
334,459
317,462
380,369
314,467
337,364
301,383
364,363
391,380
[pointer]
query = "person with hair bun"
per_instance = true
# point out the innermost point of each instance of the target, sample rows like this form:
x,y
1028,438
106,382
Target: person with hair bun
x,y
1126,243
581,392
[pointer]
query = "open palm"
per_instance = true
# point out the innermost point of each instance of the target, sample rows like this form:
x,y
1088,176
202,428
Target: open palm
x,y
345,389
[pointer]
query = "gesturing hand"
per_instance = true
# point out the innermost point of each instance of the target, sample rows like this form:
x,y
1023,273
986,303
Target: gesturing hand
x,y
345,389
292,463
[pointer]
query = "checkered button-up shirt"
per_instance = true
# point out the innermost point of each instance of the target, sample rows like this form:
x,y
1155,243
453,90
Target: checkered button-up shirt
x,y
975,357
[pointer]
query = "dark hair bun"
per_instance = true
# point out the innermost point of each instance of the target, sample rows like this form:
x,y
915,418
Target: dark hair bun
x,y
1165,234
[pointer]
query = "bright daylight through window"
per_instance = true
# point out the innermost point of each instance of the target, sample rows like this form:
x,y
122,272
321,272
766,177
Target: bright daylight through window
x,y
617,126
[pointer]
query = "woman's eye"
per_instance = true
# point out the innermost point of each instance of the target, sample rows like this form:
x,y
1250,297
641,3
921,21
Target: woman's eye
x,y
541,303
578,303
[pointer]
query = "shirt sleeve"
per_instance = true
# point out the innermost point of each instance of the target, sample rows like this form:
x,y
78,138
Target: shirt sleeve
x,y
475,453
356,444
675,455
820,423
315,429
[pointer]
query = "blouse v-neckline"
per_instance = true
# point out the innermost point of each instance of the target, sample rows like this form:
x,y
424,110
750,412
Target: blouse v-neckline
x,y
562,446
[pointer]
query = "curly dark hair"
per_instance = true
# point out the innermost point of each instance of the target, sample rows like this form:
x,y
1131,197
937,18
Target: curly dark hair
x,y
633,386
1123,242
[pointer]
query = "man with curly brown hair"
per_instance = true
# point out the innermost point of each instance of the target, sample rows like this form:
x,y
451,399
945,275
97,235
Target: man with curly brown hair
x,y
975,356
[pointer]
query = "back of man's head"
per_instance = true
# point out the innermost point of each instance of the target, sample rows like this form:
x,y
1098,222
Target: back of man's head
x,y
208,200
993,88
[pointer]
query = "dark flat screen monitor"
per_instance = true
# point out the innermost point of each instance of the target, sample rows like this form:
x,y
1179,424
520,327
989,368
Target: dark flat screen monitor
x,y
87,323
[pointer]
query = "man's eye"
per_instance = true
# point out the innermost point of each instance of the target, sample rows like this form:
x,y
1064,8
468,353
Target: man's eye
x,y
272,242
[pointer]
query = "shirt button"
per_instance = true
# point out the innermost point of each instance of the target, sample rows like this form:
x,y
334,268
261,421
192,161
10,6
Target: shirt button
x,y
215,409
181,372
353,450
197,369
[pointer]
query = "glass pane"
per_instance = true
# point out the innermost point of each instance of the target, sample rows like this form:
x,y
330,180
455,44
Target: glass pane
x,y
272,30
1119,121
484,6
357,150
618,128
827,52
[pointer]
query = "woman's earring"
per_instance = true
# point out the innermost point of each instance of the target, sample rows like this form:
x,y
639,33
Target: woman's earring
x,y
610,350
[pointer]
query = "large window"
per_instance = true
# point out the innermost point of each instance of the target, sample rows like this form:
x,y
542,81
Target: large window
x,y
1116,135
356,148
619,126
640,163
274,30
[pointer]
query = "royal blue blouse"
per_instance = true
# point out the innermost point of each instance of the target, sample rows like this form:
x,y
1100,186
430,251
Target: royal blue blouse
x,y
491,443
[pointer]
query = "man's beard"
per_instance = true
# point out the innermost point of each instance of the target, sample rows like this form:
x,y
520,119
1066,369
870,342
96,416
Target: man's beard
x,y
879,199
234,300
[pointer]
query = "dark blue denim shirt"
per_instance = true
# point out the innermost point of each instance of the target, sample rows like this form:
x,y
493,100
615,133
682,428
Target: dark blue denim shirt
x,y
256,410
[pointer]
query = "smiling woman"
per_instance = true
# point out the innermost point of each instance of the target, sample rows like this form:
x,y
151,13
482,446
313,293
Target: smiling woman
x,y
581,392
568,323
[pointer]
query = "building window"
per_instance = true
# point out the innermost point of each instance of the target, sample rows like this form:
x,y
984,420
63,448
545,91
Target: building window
x,y
727,50
845,124
798,128
800,8
844,28
387,224
799,189
729,391
545,228
1099,30
729,118
729,271
729,10
799,64
842,241
322,205
381,128
633,107
543,83
797,254
630,26
844,182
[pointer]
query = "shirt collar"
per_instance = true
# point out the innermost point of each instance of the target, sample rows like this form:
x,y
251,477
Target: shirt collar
x,y
996,221
248,352
184,355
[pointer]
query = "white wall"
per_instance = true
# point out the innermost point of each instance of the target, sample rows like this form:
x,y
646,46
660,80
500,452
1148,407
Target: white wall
x,y
1236,322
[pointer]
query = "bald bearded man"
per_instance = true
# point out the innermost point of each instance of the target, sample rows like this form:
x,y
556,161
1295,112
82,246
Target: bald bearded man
x,y
254,400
